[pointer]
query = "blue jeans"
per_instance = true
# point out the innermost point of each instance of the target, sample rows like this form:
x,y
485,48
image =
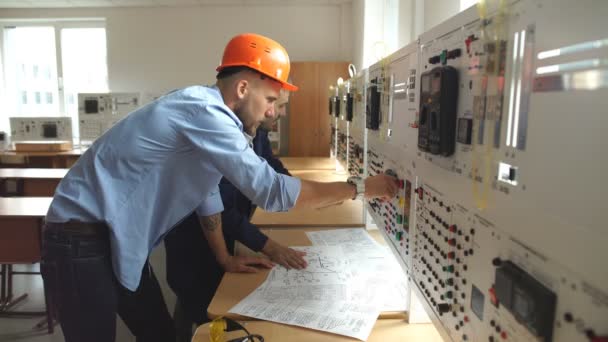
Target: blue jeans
x,y
78,274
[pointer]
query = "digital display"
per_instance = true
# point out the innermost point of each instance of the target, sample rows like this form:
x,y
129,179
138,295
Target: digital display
x,y
91,106
436,86
477,300
49,130
337,106
523,305
464,131
426,83
406,206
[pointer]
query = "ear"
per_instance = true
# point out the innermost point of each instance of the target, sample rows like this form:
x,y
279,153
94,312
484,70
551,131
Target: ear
x,y
242,88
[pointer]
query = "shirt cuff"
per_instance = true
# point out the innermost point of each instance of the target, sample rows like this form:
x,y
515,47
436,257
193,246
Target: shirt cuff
x,y
292,187
211,205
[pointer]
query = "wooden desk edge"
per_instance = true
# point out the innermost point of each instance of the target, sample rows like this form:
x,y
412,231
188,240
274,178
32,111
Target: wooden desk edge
x,y
383,315
308,225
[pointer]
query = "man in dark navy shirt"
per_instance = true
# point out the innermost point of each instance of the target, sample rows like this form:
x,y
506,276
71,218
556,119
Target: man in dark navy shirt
x,y
192,271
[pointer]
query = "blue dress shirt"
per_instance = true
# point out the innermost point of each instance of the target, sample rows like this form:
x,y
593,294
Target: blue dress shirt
x,y
159,164
238,209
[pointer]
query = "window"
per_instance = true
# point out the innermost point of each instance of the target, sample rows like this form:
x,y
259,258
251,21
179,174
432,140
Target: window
x,y
464,4
381,30
31,69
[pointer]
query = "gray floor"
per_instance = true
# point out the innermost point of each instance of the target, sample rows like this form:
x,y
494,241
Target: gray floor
x,y
22,329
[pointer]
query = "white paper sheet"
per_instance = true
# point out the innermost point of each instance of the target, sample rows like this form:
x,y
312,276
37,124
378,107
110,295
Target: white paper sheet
x,y
376,275
349,280
339,317
316,297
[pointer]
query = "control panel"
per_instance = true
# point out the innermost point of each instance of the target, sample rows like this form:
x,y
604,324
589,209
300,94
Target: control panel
x,y
99,112
498,218
357,138
343,125
41,129
334,113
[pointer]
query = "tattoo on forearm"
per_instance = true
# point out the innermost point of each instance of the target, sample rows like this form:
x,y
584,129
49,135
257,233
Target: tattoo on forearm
x,y
212,222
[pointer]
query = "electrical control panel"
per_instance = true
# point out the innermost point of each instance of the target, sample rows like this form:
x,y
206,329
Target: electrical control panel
x,y
334,112
41,129
357,148
392,141
99,112
501,234
343,126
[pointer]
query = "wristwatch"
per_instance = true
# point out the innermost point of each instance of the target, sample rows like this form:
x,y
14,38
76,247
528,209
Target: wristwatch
x,y
359,185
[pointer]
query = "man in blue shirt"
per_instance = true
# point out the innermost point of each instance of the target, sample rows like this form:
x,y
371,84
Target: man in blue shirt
x,y
192,271
152,169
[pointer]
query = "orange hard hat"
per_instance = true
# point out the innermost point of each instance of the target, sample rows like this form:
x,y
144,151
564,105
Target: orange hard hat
x,y
259,53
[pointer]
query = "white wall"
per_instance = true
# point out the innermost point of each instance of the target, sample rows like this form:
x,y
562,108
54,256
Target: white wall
x,y
358,28
437,11
406,23
161,48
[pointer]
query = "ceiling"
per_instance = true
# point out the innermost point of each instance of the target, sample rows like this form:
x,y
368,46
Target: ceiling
x,y
154,3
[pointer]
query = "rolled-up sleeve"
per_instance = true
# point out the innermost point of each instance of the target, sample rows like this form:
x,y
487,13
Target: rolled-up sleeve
x,y
222,143
212,204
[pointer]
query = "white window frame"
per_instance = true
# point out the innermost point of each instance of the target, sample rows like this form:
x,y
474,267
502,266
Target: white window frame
x,y
58,24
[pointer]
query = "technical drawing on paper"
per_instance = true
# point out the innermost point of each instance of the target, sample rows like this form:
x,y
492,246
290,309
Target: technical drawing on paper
x,y
326,265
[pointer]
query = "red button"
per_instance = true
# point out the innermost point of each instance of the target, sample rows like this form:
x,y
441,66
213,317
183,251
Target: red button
x,y
503,335
493,298
466,318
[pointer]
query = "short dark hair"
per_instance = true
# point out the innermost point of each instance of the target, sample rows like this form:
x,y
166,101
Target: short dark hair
x,y
229,71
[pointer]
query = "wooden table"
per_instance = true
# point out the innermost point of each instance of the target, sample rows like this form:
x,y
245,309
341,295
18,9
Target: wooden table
x,y
385,330
62,159
30,182
20,224
347,214
308,163
236,286
21,220
320,175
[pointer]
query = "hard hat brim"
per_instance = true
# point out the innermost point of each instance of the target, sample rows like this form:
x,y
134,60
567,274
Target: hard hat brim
x,y
289,86
285,85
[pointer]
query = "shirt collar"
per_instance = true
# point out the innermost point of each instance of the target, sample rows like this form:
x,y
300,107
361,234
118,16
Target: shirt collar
x,y
215,92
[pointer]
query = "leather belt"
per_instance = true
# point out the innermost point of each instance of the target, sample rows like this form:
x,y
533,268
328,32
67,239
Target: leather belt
x,y
77,227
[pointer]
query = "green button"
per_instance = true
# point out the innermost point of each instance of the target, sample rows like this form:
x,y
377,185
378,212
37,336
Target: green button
x,y
444,56
400,219
399,235
449,268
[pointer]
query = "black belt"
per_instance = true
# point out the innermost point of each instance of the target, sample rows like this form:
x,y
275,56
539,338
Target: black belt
x,y
77,227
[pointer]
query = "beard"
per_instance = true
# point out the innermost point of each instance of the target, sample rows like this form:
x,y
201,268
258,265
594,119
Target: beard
x,y
248,127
